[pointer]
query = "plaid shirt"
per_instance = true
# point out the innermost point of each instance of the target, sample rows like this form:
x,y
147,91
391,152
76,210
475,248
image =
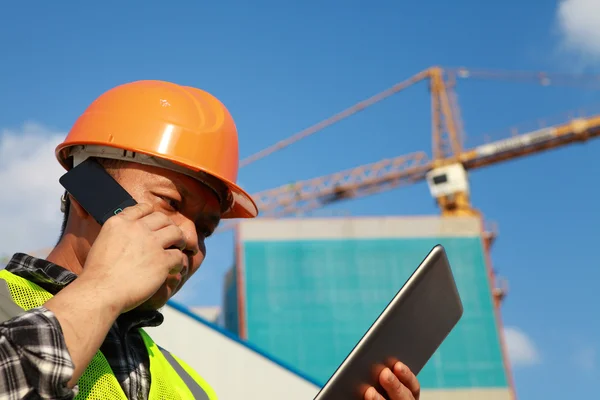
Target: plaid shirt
x,y
34,360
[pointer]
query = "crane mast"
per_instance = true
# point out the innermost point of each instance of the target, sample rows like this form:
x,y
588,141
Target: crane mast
x,y
447,146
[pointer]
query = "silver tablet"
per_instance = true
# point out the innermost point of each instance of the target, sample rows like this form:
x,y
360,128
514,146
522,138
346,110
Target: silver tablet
x,y
410,329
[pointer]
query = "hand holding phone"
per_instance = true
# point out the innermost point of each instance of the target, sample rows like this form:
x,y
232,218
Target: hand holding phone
x,y
134,253
136,247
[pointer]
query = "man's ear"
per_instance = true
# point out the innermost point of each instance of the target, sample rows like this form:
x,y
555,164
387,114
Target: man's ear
x,y
64,202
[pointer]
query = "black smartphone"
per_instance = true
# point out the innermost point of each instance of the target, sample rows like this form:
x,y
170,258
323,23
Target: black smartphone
x,y
97,192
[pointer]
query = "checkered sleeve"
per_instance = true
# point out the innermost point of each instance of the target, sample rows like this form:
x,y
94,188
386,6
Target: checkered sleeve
x,y
34,360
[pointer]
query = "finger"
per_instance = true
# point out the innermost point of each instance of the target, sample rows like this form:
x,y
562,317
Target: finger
x,y
371,394
136,212
156,221
392,385
408,379
175,260
171,236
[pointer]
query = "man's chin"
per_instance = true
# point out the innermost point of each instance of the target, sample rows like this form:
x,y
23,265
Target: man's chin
x,y
152,305
159,299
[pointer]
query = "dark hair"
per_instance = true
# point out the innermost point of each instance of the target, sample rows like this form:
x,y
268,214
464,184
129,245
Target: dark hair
x,y
112,166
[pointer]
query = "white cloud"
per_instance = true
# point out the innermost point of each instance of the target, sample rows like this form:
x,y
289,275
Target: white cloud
x,y
521,349
30,202
579,27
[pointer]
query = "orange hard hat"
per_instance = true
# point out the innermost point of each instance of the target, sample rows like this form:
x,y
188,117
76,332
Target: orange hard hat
x,y
163,124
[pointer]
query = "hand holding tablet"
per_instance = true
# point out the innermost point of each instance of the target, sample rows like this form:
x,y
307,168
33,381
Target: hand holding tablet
x,y
402,339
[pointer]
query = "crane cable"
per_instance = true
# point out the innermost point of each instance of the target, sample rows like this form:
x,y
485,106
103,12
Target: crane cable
x,y
334,119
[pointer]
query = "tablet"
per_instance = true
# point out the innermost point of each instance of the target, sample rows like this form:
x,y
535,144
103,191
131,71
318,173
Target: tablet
x,y
410,329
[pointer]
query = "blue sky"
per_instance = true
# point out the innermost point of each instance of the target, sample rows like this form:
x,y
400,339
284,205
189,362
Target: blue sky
x,y
280,68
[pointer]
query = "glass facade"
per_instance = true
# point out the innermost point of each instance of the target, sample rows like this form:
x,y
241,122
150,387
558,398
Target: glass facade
x,y
307,302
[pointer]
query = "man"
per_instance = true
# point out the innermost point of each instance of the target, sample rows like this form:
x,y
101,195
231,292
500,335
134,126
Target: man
x,y
79,329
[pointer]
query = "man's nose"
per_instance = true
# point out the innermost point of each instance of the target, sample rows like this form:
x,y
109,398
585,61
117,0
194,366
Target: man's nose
x,y
192,245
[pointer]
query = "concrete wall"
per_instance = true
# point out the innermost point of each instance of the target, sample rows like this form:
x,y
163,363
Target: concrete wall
x,y
235,370
306,290
209,313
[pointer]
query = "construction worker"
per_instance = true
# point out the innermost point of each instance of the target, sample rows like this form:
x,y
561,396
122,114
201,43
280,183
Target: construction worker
x,y
72,324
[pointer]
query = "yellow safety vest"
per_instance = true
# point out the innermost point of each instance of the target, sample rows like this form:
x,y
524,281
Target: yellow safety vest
x,y
171,378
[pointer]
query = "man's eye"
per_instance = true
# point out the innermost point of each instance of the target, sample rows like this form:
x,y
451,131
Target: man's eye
x,y
174,204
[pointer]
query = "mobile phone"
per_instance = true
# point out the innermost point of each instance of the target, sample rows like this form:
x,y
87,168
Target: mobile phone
x,y
410,329
98,193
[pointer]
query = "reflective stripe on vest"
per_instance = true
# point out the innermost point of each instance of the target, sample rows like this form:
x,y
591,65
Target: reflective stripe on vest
x,y
98,379
197,391
8,308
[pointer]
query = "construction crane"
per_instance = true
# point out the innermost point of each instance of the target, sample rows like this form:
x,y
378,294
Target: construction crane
x,y
446,170
445,174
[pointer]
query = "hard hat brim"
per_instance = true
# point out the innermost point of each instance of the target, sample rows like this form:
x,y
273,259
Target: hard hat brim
x,y
243,205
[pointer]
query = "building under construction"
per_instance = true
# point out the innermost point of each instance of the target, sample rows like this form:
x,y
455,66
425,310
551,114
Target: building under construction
x,y
307,290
